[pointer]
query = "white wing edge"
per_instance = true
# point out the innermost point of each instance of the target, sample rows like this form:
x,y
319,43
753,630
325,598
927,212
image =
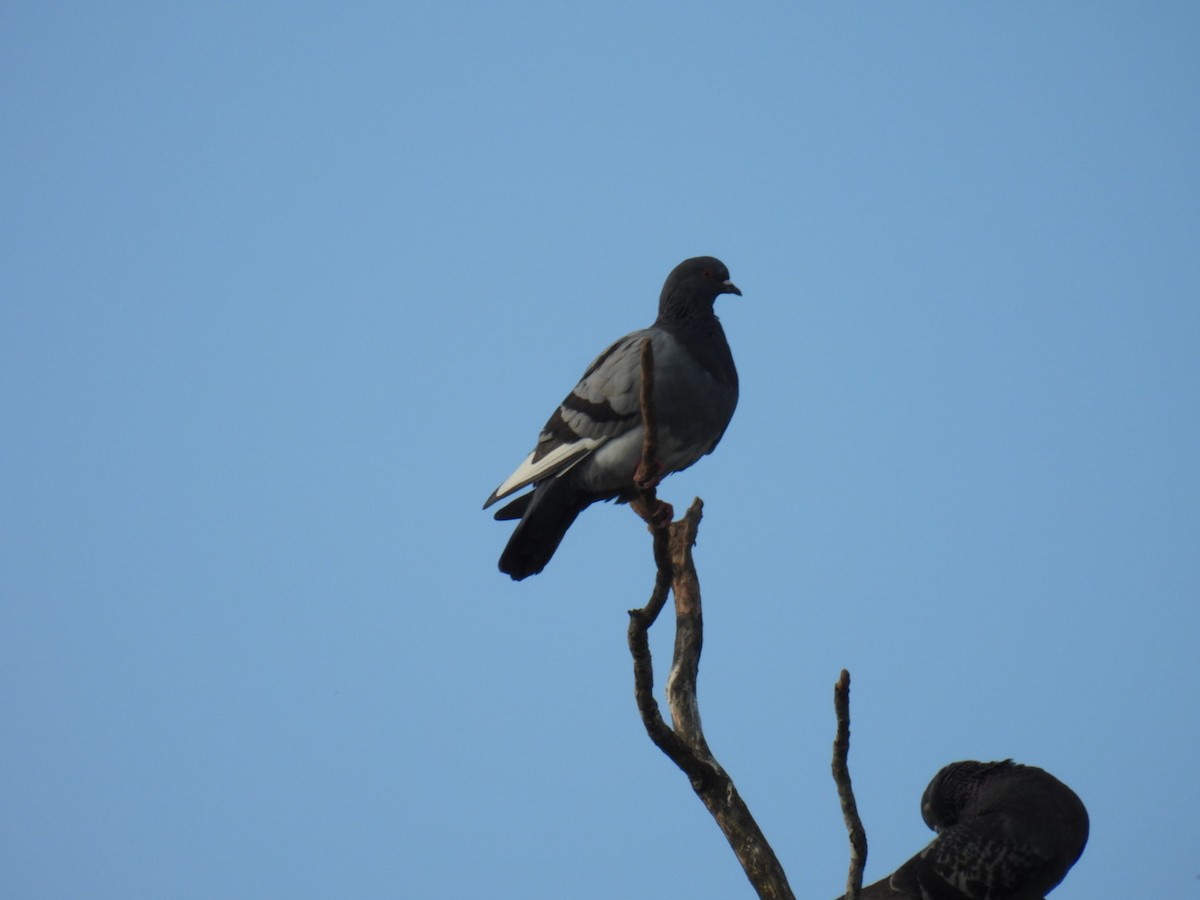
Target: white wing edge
x,y
556,462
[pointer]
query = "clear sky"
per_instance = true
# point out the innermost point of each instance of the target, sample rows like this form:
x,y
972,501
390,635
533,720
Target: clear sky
x,y
286,289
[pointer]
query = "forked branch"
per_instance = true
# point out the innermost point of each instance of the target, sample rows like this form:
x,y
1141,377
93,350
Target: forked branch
x,y
683,741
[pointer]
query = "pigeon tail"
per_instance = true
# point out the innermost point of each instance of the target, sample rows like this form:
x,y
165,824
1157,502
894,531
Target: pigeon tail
x,y
547,513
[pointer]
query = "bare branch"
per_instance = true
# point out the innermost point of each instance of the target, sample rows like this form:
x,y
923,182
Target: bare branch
x,y
659,731
646,504
841,777
689,632
685,744
649,419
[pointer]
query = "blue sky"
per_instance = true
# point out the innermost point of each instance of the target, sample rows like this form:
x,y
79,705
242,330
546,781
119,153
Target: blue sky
x,y
289,288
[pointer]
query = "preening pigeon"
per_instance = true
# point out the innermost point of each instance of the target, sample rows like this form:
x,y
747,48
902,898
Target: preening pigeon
x,y
1005,832
591,447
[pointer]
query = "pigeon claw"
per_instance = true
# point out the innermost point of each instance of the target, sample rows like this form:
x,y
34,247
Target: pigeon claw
x,y
662,515
646,481
657,514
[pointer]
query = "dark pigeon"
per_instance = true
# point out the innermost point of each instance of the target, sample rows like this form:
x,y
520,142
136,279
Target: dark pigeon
x,y
591,447
1005,832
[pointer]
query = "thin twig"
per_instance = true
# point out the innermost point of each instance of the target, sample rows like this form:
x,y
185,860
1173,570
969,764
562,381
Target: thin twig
x,y
649,464
841,777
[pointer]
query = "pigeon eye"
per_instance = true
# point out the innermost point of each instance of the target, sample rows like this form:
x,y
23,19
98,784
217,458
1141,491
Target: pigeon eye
x,y
707,273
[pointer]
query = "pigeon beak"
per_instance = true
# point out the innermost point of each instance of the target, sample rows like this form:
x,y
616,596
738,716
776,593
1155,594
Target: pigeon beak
x,y
728,287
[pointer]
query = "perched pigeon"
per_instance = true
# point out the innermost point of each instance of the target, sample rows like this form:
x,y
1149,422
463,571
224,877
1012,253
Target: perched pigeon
x,y
591,447
1005,832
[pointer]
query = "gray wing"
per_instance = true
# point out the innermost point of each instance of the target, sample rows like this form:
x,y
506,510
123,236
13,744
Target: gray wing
x,y
602,406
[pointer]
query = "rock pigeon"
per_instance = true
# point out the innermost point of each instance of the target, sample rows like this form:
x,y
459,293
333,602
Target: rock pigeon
x,y
1005,832
591,447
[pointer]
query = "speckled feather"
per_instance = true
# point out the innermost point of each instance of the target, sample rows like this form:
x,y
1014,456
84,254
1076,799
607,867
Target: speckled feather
x,y
1005,832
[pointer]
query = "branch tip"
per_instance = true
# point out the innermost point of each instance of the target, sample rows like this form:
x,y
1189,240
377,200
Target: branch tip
x,y
841,777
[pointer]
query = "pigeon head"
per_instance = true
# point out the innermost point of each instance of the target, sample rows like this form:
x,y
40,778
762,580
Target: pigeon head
x,y
693,286
954,788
